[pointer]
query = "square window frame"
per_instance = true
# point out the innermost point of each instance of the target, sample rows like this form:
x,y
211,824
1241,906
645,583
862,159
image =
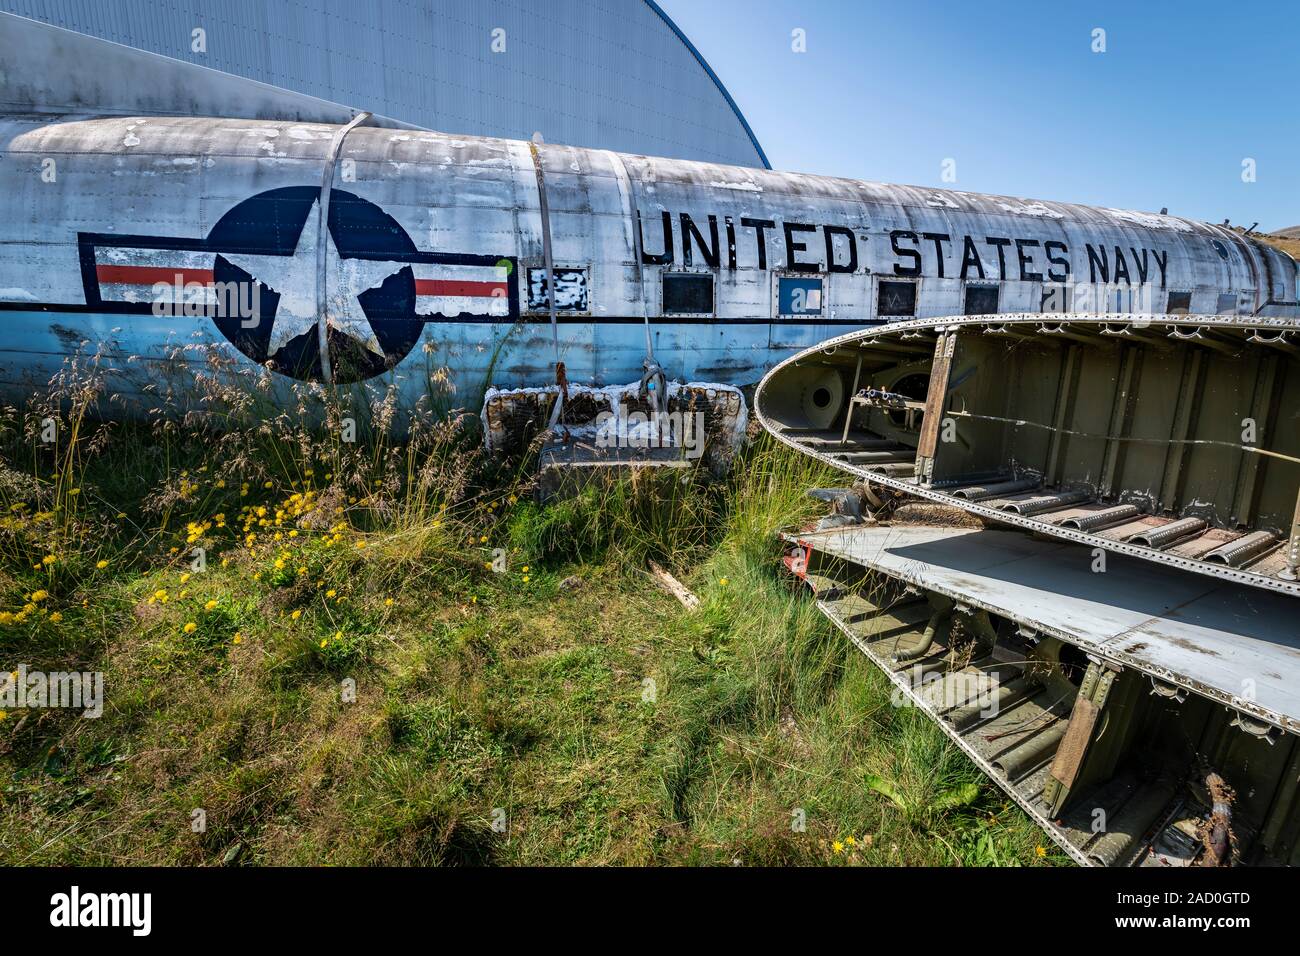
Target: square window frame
x,y
916,298
966,287
778,275
665,274
526,266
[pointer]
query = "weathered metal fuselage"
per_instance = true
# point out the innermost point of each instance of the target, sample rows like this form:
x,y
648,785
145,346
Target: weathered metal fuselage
x,y
142,236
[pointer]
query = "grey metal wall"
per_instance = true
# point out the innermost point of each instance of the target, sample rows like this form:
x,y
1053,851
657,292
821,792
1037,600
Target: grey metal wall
x,y
611,74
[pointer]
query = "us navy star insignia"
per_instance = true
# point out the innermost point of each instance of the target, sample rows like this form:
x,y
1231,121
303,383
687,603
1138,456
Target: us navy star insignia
x,y
293,278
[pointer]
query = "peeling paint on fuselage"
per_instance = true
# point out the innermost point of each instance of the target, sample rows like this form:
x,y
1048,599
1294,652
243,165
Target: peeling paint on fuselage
x,y
745,230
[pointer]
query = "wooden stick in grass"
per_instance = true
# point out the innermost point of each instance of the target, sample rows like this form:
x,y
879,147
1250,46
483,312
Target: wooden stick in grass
x,y
674,587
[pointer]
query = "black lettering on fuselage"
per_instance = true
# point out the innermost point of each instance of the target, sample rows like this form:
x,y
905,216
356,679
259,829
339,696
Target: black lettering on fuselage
x,y
1121,267
658,258
1001,246
899,268
1162,260
691,232
760,226
970,256
1140,264
792,247
1026,261
1063,261
1098,263
938,238
832,265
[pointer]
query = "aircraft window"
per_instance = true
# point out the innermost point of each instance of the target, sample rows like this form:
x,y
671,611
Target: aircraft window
x,y
896,298
570,290
1056,298
1180,303
1227,304
799,296
981,299
687,293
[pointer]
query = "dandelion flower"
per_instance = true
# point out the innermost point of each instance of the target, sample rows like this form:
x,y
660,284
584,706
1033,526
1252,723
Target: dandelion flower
x,y
525,569
330,593
39,596
56,617
388,602
323,641
211,605
837,847
483,540
295,615
190,627
724,582
101,565
50,559
1040,851
850,841
526,579
238,638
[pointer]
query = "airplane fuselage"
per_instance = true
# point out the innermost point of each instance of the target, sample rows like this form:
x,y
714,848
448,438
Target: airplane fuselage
x,y
154,238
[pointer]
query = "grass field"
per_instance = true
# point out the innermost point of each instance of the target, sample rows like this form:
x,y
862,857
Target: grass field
x,y
347,679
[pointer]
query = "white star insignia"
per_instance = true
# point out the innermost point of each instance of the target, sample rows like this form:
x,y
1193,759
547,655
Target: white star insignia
x,y
294,279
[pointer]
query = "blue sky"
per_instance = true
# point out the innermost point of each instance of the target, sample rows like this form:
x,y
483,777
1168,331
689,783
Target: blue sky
x,y
1012,91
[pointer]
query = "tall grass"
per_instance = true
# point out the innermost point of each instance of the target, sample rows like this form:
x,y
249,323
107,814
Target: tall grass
x,y
607,722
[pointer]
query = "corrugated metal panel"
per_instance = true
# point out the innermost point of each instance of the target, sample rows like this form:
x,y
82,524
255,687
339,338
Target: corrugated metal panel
x,y
612,74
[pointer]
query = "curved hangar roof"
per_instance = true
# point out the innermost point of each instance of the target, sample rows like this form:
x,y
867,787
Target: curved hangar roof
x,y
612,74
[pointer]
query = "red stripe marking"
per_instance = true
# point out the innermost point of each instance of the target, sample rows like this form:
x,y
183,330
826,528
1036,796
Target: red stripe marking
x,y
148,275
459,287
